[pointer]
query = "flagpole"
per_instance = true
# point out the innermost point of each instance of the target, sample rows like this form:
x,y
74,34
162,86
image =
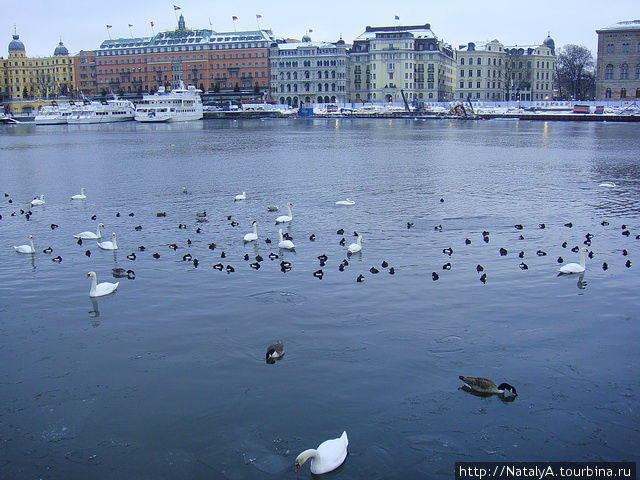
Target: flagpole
x,y
210,24
108,32
258,21
153,33
130,32
233,19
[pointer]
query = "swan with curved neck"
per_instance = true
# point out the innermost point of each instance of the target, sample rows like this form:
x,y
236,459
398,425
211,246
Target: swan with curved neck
x,y
355,247
242,196
286,218
329,455
91,235
37,201
109,245
100,289
575,267
252,237
286,244
26,248
81,196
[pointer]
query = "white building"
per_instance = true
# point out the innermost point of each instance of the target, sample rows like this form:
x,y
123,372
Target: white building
x,y
308,72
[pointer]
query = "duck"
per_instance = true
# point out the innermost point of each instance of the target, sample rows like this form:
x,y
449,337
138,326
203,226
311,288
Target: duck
x,y
121,272
484,385
26,248
355,247
252,237
569,268
57,259
434,276
345,202
360,278
409,225
467,241
273,256
202,214
483,278
272,208
275,350
80,196
447,251
312,237
187,257
286,218
255,265
109,245
392,271
87,253
503,251
230,269
286,244
47,250
156,255
241,196
329,455
53,226
161,214
37,201
218,266
374,270
91,235
340,231
384,264
131,256
100,289
318,274
479,268
259,258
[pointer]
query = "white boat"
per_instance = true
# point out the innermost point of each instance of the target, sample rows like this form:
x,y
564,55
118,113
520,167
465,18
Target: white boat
x,y
178,105
53,114
105,112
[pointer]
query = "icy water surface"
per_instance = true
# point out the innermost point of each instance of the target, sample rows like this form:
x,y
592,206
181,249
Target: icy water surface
x,y
167,377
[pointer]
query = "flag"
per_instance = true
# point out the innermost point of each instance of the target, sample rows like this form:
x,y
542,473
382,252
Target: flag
x,y
234,18
130,25
175,7
152,24
310,31
397,17
258,16
109,26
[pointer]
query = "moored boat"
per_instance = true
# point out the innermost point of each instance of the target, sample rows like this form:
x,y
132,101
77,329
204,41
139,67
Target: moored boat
x,y
178,105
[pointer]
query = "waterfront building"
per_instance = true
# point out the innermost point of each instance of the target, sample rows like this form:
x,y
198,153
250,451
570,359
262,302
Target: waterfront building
x,y
385,62
618,62
493,72
85,69
308,72
27,77
204,58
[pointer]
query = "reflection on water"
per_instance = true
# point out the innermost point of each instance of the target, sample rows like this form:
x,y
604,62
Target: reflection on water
x,y
174,383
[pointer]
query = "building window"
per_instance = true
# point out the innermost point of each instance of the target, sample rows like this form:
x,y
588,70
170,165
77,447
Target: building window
x,y
623,93
638,72
610,48
607,93
608,72
625,48
637,93
462,59
624,72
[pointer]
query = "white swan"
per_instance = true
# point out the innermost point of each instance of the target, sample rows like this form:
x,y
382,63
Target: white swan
x,y
91,235
346,202
607,184
575,267
242,196
81,196
327,457
109,245
252,237
286,218
286,244
26,248
100,289
37,201
355,247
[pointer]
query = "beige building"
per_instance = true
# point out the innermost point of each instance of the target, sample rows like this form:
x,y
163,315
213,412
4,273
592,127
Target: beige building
x,y
385,62
24,77
618,63
493,72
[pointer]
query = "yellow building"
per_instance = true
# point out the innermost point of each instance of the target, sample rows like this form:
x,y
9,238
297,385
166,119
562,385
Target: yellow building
x,y
24,77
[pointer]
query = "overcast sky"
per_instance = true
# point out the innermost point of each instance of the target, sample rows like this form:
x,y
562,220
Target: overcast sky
x,y
81,23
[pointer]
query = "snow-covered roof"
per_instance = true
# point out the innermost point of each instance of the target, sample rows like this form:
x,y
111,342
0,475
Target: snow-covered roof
x,y
626,25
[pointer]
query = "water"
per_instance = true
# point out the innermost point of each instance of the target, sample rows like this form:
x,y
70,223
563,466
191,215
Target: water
x,y
167,377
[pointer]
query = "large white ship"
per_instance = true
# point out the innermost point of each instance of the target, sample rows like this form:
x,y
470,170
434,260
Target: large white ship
x,y
53,114
178,105
106,112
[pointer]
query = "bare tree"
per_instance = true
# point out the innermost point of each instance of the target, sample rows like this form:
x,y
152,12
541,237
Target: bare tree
x,y
575,74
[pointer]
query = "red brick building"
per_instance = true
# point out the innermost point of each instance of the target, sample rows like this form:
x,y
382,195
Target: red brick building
x,y
86,77
207,59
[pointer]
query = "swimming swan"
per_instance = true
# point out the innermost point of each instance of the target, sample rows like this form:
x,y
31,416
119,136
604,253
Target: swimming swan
x,y
355,247
329,455
286,244
575,267
100,289
242,196
37,201
286,218
109,245
26,248
252,237
91,235
346,202
82,196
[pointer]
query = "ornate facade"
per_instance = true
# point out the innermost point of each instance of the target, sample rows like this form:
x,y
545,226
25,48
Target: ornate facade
x,y
385,62
27,77
308,72
492,72
618,63
207,59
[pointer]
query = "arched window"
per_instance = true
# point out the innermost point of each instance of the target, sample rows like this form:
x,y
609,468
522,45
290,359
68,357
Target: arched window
x,y
319,87
326,87
288,75
326,74
333,99
295,87
282,100
608,72
288,87
623,93
295,75
319,98
326,99
333,74
624,72
607,93
637,93
638,72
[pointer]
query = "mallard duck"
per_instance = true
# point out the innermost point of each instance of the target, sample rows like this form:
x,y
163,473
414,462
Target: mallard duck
x,y
484,385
